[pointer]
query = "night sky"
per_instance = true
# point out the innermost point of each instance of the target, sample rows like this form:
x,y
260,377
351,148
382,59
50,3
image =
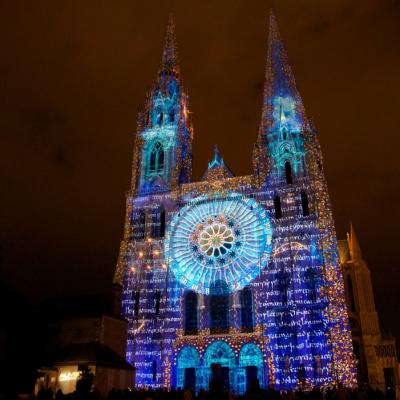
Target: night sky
x,y
73,74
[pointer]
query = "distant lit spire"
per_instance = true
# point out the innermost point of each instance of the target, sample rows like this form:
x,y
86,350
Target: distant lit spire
x,y
169,62
354,246
218,161
282,104
217,168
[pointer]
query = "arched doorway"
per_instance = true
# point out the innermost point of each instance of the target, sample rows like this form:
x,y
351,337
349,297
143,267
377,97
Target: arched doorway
x,y
251,366
220,365
188,360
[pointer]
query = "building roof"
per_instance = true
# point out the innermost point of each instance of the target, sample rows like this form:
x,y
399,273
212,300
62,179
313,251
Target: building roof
x,y
217,169
93,353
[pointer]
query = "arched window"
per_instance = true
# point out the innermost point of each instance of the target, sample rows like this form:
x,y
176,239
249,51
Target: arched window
x,y
278,208
139,225
304,204
136,300
219,308
191,313
157,156
246,303
171,115
350,294
157,300
288,172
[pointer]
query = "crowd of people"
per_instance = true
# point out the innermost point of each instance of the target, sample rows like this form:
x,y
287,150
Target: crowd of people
x,y
364,392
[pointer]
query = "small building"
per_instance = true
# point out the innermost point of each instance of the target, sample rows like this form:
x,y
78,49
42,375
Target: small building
x,y
110,370
85,332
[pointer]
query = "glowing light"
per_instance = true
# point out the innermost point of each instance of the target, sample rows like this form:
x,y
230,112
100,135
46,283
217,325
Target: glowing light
x,y
68,376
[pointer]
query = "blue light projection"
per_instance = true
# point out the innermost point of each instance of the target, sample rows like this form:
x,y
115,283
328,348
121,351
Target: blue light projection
x,y
285,115
188,357
241,370
213,240
251,356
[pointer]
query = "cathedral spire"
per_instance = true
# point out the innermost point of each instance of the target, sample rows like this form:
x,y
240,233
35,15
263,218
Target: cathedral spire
x,y
279,150
354,246
282,104
169,62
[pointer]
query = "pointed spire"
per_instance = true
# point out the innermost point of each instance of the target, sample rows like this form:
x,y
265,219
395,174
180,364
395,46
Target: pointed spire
x,y
282,104
217,169
354,247
169,62
217,161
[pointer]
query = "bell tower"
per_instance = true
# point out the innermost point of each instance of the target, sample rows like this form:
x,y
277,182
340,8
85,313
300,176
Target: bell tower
x,y
163,152
283,116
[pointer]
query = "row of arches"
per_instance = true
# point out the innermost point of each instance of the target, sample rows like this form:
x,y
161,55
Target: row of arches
x,y
138,221
305,208
218,362
218,312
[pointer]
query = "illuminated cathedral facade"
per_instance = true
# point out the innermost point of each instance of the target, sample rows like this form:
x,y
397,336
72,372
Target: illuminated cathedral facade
x,y
232,278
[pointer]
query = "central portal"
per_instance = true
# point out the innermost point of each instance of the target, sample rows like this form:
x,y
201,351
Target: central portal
x,y
219,368
219,377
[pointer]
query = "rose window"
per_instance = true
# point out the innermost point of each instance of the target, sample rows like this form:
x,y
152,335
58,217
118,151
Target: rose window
x,y
223,239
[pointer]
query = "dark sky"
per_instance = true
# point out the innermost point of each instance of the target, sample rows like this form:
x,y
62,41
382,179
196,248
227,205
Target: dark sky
x,y
73,74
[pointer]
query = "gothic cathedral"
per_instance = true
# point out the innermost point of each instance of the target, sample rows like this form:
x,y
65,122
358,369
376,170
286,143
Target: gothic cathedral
x,y
235,278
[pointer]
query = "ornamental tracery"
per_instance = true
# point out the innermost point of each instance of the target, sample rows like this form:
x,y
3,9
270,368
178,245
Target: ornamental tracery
x,y
218,239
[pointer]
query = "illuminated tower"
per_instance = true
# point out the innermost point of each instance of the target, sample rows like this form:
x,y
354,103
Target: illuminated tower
x,y
305,305
161,163
164,139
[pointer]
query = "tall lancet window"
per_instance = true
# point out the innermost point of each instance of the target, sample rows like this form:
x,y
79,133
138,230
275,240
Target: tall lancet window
x,y
158,227
171,115
157,158
288,172
191,327
304,204
160,117
162,222
246,303
278,207
219,308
